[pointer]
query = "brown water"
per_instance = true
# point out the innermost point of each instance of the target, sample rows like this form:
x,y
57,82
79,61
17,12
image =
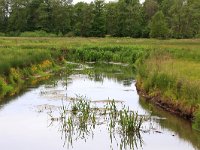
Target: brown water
x,y
26,122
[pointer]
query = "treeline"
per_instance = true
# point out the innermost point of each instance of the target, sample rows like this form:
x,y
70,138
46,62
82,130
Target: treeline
x,y
125,18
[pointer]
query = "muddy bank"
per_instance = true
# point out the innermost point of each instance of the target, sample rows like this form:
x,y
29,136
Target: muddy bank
x,y
171,106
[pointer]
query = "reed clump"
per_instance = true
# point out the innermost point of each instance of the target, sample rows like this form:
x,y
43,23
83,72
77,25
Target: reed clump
x,y
83,117
130,121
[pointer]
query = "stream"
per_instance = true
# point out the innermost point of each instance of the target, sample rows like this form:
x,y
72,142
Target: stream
x,y
31,121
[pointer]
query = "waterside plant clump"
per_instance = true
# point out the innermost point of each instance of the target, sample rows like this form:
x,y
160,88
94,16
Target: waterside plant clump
x,y
80,118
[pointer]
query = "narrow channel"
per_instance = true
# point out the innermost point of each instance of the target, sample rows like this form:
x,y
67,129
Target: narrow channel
x,y
26,121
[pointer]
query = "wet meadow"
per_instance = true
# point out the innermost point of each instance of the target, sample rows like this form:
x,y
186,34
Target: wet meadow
x,y
86,88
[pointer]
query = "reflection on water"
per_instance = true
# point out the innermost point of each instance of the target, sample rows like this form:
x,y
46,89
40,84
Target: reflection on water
x,y
181,127
100,71
79,119
51,117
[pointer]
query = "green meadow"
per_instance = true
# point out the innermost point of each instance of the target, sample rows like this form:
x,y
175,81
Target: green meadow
x,y
169,69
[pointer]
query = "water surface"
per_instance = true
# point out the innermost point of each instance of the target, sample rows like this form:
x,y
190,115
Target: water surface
x,y
25,122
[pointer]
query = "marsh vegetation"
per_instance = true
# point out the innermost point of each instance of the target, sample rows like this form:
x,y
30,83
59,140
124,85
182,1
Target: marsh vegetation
x,y
163,66
166,69
79,119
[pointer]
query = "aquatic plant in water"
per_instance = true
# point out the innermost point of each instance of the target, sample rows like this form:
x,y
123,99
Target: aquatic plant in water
x,y
79,119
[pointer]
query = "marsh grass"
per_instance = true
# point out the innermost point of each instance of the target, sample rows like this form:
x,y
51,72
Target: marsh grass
x,y
80,118
196,125
169,67
21,52
21,58
174,76
126,54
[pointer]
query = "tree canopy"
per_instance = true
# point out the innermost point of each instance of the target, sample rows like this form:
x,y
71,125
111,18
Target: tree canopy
x,y
125,18
158,26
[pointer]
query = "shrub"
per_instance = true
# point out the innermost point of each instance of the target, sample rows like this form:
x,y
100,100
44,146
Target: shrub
x,y
197,36
39,33
70,34
13,33
2,34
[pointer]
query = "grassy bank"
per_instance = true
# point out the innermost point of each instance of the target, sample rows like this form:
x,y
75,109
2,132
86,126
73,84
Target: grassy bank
x,y
170,77
21,62
167,69
18,78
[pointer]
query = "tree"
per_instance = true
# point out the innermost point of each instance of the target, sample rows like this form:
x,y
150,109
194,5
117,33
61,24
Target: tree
x,y
166,6
61,17
83,18
158,26
17,20
124,18
185,18
98,24
150,8
33,16
45,16
129,20
111,18
159,2
195,25
4,14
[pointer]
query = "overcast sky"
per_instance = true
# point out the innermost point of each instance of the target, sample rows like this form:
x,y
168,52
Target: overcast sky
x,y
88,1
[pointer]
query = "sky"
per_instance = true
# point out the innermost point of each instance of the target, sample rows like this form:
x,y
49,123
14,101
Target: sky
x,y
88,1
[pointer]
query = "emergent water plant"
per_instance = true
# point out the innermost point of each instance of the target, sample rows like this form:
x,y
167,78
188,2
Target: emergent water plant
x,y
81,117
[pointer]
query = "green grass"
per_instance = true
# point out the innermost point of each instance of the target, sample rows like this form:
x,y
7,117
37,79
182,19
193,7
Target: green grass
x,y
196,125
19,52
14,58
39,33
173,74
170,68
